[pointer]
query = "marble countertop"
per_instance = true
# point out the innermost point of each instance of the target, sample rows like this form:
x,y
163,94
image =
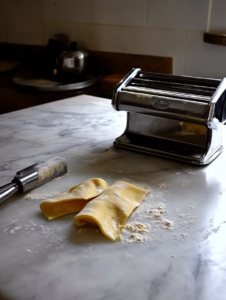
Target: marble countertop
x,y
41,259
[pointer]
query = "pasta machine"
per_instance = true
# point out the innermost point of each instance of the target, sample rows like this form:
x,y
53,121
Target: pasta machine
x,y
178,117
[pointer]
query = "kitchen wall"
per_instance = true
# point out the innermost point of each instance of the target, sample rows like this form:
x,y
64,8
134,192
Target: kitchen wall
x,y
172,28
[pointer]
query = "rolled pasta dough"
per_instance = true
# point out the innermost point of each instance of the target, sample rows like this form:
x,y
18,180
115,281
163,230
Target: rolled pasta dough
x,y
74,199
111,209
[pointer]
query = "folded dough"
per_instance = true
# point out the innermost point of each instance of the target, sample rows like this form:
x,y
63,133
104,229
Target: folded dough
x,y
111,209
74,199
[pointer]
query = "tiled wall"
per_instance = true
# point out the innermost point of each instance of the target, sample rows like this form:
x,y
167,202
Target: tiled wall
x,y
171,28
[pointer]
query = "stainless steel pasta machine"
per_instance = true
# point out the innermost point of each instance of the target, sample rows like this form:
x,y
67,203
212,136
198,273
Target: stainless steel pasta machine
x,y
178,117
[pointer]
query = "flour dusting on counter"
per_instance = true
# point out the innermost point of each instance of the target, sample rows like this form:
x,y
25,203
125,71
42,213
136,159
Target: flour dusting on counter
x,y
41,196
28,227
164,225
135,232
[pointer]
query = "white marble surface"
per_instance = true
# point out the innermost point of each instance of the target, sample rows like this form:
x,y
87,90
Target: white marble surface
x,y
41,259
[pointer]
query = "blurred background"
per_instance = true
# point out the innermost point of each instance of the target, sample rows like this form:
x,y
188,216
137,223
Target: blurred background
x,y
171,29
153,27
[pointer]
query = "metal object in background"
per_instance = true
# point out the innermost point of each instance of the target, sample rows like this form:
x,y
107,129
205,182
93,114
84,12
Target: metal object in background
x,y
34,176
37,81
63,67
179,117
56,44
72,62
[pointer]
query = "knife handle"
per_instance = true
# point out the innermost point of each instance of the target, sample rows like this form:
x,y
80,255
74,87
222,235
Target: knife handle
x,y
8,190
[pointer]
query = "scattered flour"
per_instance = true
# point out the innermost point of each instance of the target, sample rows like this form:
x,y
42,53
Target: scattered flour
x,y
30,226
211,230
41,196
167,224
127,255
135,232
49,236
136,228
135,238
15,229
162,227
158,211
104,155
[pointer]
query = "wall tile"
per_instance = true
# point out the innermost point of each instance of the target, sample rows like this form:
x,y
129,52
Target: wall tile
x,y
118,12
25,9
134,40
178,14
25,32
2,31
218,19
202,59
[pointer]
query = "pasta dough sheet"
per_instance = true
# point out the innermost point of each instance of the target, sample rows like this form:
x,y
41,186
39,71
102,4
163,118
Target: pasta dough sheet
x,y
74,199
111,209
195,128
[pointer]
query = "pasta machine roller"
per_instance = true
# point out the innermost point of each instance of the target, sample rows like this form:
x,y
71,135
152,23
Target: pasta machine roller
x,y
178,117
